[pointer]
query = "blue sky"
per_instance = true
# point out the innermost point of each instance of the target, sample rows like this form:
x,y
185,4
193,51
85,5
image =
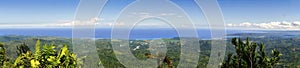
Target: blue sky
x,y
236,12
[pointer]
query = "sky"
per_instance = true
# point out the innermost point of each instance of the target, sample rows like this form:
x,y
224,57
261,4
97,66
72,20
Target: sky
x,y
247,14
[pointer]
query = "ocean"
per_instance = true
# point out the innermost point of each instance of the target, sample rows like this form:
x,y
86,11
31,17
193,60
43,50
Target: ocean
x,y
106,33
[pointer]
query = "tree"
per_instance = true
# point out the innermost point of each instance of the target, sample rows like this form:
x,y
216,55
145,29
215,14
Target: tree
x,y
47,57
250,55
4,60
2,54
23,48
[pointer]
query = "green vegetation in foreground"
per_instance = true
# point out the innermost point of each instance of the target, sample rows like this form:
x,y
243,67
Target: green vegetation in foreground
x,y
250,55
46,57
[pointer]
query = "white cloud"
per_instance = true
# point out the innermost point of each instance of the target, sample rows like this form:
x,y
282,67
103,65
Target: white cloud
x,y
148,14
271,25
167,14
61,23
70,23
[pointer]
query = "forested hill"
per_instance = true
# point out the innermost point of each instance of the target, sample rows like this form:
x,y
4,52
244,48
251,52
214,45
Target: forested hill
x,y
288,46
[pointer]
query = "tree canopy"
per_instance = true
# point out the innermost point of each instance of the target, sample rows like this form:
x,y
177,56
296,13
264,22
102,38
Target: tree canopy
x,y
250,55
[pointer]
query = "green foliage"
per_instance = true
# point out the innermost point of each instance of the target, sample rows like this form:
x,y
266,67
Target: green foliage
x,y
23,61
2,54
47,57
23,48
4,60
250,55
37,49
65,58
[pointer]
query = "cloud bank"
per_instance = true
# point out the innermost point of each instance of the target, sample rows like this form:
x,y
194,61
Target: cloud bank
x,y
271,25
69,23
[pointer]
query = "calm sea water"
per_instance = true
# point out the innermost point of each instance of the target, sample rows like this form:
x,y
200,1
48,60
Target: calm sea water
x,y
106,33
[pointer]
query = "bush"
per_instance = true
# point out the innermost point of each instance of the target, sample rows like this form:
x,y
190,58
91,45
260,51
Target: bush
x,y
46,57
